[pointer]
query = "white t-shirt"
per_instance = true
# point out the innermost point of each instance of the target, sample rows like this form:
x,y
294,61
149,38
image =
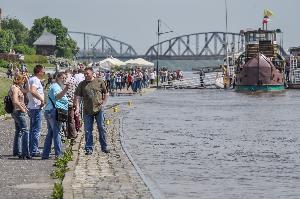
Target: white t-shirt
x,y
72,87
79,77
118,79
34,103
152,75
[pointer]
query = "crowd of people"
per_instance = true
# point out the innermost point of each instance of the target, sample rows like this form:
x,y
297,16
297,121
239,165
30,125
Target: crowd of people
x,y
136,79
79,93
14,69
167,75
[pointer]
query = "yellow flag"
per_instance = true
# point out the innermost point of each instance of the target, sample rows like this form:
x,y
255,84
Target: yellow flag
x,y
268,13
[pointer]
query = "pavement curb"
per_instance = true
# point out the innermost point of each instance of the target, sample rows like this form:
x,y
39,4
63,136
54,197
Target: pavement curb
x,y
67,181
155,192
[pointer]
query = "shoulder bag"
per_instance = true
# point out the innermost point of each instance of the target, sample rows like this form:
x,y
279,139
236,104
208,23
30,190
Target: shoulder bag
x,y
61,114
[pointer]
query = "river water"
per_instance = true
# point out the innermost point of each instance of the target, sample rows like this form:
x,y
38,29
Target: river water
x,y
210,143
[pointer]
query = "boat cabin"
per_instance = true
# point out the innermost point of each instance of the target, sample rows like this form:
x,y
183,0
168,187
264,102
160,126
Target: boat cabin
x,y
261,41
293,68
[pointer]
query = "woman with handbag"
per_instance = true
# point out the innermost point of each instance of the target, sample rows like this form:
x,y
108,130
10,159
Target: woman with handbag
x,y
57,103
21,140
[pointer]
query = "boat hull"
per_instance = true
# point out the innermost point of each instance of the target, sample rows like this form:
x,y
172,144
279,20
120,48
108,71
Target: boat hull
x,y
254,88
294,85
259,74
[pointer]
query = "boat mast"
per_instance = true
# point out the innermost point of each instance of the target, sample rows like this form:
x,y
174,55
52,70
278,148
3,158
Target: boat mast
x,y
226,18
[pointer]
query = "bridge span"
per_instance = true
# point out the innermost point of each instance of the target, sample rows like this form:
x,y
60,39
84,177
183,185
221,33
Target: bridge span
x,y
198,46
103,47
195,46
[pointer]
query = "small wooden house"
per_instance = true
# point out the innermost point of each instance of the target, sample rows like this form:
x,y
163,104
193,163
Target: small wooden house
x,y
45,44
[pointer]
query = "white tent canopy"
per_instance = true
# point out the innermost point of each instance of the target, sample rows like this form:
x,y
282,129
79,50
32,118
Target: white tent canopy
x,y
130,62
139,62
110,62
96,66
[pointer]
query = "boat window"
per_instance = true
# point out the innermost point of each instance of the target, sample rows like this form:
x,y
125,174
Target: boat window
x,y
261,36
251,37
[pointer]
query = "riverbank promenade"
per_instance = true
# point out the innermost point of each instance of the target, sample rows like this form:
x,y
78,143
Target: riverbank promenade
x,y
99,175
23,178
102,175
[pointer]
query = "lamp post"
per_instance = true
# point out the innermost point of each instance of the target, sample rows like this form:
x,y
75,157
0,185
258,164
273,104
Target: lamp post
x,y
226,18
0,17
157,53
227,58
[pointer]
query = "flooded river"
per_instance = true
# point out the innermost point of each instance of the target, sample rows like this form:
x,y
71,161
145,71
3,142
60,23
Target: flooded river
x,y
216,143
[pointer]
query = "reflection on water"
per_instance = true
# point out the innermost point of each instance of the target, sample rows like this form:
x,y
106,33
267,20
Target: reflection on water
x,y
216,143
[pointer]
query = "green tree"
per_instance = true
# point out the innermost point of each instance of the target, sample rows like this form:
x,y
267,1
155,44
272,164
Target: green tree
x,y
7,39
66,47
17,28
24,49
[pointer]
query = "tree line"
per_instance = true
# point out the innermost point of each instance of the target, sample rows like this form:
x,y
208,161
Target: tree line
x,y
15,35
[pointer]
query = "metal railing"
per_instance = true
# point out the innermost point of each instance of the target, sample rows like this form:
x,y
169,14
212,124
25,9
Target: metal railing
x,y
208,81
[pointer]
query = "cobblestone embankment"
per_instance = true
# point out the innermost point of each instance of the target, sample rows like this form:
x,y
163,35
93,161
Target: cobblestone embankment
x,y
103,175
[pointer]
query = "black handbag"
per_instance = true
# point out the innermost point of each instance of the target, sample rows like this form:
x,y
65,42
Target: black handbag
x,y
61,114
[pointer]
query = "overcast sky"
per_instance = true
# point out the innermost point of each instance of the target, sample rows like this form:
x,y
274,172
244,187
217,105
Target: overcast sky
x,y
135,21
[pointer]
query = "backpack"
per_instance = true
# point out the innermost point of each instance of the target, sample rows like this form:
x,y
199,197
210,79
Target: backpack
x,y
8,104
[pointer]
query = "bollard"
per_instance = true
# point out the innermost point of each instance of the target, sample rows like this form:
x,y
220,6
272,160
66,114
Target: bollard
x,y
129,103
115,109
107,122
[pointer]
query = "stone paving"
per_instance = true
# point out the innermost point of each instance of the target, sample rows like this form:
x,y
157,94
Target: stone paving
x,y
22,178
102,175
99,175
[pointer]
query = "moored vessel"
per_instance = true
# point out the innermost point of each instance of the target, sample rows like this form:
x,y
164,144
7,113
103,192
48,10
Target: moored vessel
x,y
226,79
292,69
260,67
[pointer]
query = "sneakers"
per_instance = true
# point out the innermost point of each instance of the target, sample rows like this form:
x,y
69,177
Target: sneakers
x,y
105,150
38,154
88,152
25,157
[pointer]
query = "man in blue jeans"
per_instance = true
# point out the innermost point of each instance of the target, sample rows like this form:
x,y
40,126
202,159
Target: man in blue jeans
x,y
35,105
94,94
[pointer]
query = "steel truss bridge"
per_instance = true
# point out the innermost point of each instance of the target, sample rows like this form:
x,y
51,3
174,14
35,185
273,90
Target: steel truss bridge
x,y
196,46
103,47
